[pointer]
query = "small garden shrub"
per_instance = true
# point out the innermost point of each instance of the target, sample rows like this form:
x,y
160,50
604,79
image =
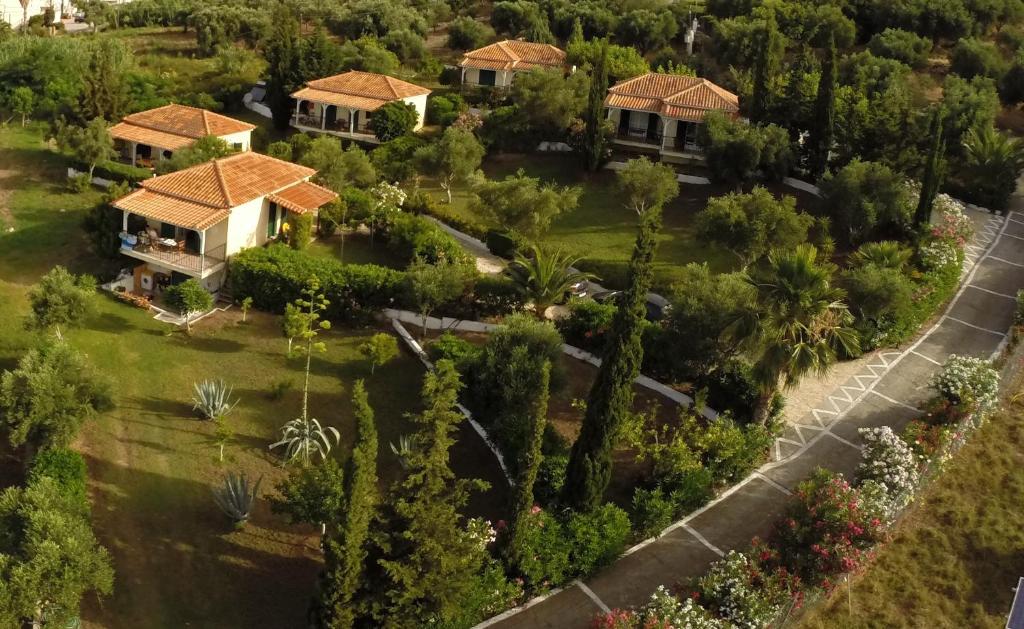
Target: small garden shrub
x,y
547,550
275,276
890,465
412,236
458,350
550,478
739,590
652,511
587,325
189,296
65,466
444,109
596,538
969,383
495,296
1018,315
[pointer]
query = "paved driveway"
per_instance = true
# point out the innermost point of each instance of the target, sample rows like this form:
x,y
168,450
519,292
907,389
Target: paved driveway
x,y
885,393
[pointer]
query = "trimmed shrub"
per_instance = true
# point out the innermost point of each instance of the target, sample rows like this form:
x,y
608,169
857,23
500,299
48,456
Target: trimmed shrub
x,y
116,171
444,109
66,467
652,511
587,325
503,243
458,350
412,236
546,551
596,538
275,276
301,230
494,296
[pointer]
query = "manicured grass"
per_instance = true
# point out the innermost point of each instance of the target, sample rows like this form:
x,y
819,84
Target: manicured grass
x,y
152,462
957,555
357,250
601,228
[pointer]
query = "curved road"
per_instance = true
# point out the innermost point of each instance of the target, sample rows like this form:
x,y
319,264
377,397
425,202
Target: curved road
x,y
886,393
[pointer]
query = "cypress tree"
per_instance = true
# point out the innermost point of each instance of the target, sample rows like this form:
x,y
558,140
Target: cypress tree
x,y
576,36
764,66
823,133
283,52
611,396
934,170
428,563
345,549
594,140
522,498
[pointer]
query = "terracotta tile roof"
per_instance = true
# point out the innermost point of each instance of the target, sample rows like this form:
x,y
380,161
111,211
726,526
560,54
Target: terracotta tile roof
x,y
514,54
175,126
203,195
360,90
303,197
168,209
682,97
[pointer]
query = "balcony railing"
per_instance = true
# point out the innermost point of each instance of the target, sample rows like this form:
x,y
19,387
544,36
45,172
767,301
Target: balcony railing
x,y
340,125
175,257
641,135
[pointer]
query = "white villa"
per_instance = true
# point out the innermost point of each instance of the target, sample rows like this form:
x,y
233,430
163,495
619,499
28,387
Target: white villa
x,y
497,64
663,112
187,223
149,136
343,104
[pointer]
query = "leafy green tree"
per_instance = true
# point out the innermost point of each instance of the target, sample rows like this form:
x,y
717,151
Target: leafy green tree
x,y
394,160
593,144
646,29
751,225
934,170
45,400
393,120
522,18
368,55
104,88
517,551
823,133
283,52
452,159
770,47
427,562
203,150
865,198
311,495
320,56
90,144
345,549
974,57
548,101
523,204
969,104
994,163
431,285
544,277
280,150
904,46
22,102
379,349
645,184
622,62
190,298
737,152
61,298
798,325
339,168
611,396
51,557
466,33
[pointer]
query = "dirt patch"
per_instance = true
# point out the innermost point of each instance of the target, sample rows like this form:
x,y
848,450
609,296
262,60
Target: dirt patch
x,y
6,217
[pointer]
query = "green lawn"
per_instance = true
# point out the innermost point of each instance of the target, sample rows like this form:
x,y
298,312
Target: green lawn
x,y
601,228
960,550
152,463
357,250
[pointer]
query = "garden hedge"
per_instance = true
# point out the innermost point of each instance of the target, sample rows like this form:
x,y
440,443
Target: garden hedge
x,y
275,276
115,171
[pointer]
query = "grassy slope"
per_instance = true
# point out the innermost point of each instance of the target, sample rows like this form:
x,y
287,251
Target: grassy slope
x,y
152,464
959,552
601,228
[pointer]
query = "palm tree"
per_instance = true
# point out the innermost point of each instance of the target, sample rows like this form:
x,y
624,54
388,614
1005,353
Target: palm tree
x,y
798,326
994,161
544,277
886,254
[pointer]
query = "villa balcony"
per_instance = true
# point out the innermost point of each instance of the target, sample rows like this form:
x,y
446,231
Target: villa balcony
x,y
173,255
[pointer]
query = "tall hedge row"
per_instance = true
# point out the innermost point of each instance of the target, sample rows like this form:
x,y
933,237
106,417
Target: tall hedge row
x,y
274,276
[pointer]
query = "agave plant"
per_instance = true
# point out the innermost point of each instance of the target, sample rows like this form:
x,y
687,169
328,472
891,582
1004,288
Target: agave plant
x,y
212,398
403,450
303,437
236,497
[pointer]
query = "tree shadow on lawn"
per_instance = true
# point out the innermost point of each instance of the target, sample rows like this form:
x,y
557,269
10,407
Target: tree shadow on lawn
x,y
212,344
990,587
179,562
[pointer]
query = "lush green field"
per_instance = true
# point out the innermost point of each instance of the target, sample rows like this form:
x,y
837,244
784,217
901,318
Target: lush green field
x,y
601,229
152,463
955,558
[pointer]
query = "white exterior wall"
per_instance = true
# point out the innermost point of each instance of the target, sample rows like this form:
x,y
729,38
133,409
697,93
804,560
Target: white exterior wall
x,y
216,236
247,225
242,137
12,13
420,103
502,78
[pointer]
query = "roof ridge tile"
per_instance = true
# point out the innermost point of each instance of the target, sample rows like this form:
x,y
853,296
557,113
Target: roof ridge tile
x,y
219,177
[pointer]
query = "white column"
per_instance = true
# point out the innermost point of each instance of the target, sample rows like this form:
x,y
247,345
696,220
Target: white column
x,y
323,116
298,108
202,251
664,131
462,80
124,221
351,121
135,151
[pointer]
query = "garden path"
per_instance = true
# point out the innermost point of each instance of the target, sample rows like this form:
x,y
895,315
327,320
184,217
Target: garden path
x,y
885,392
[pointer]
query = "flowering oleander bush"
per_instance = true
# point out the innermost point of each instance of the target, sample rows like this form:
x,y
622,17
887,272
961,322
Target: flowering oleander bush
x,y
953,226
546,561
481,531
891,464
938,254
828,530
741,592
969,383
663,611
